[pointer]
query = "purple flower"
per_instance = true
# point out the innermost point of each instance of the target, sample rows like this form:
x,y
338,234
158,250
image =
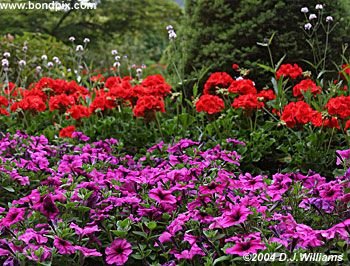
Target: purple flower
x,y
235,141
84,231
32,234
250,244
236,215
118,252
63,246
80,136
13,216
88,252
47,207
162,196
343,156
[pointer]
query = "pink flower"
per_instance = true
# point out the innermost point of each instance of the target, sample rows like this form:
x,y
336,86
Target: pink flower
x,y
331,191
162,196
88,252
84,231
13,216
236,215
247,244
32,234
63,246
47,207
189,254
118,252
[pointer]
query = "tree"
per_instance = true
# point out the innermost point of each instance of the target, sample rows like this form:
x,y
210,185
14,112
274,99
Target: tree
x,y
217,33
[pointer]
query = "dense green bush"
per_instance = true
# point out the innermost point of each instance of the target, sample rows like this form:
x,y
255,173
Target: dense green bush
x,y
217,33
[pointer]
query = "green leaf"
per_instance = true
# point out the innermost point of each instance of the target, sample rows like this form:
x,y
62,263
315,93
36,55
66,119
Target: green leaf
x,y
9,189
151,225
140,233
220,259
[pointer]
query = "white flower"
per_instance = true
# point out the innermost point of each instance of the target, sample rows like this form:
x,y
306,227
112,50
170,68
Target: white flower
x,y
79,48
172,35
86,40
25,48
49,64
116,64
143,66
304,10
22,63
117,58
239,78
169,27
38,69
44,57
308,26
55,59
133,66
5,62
139,71
71,39
312,16
319,6
114,52
69,70
7,54
329,19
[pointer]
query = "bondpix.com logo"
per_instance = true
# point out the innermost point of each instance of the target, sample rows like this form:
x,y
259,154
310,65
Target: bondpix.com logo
x,y
53,5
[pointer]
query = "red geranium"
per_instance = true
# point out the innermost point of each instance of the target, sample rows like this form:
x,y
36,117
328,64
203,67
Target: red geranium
x,y
267,95
3,101
97,78
61,102
31,103
67,132
288,70
148,103
210,104
78,112
242,86
297,113
248,101
306,85
345,70
217,80
339,106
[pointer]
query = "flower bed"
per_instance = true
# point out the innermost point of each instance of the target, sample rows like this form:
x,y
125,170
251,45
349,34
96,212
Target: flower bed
x,y
85,203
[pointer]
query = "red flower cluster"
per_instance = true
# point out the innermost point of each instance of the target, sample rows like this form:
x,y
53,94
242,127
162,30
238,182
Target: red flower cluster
x,y
148,104
306,85
61,102
345,70
297,113
339,106
210,104
78,112
248,101
67,132
217,80
288,70
242,87
4,103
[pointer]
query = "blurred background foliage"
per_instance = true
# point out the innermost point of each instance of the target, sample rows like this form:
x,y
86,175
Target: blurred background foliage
x,y
211,34
133,27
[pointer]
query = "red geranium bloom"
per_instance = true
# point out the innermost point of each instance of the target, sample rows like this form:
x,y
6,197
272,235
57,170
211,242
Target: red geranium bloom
x,y
155,85
267,95
112,81
67,132
217,79
61,102
347,125
102,101
297,113
97,78
210,104
248,101
31,103
339,106
288,70
242,86
331,122
148,103
4,112
345,71
235,67
306,85
78,112
118,252
4,101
